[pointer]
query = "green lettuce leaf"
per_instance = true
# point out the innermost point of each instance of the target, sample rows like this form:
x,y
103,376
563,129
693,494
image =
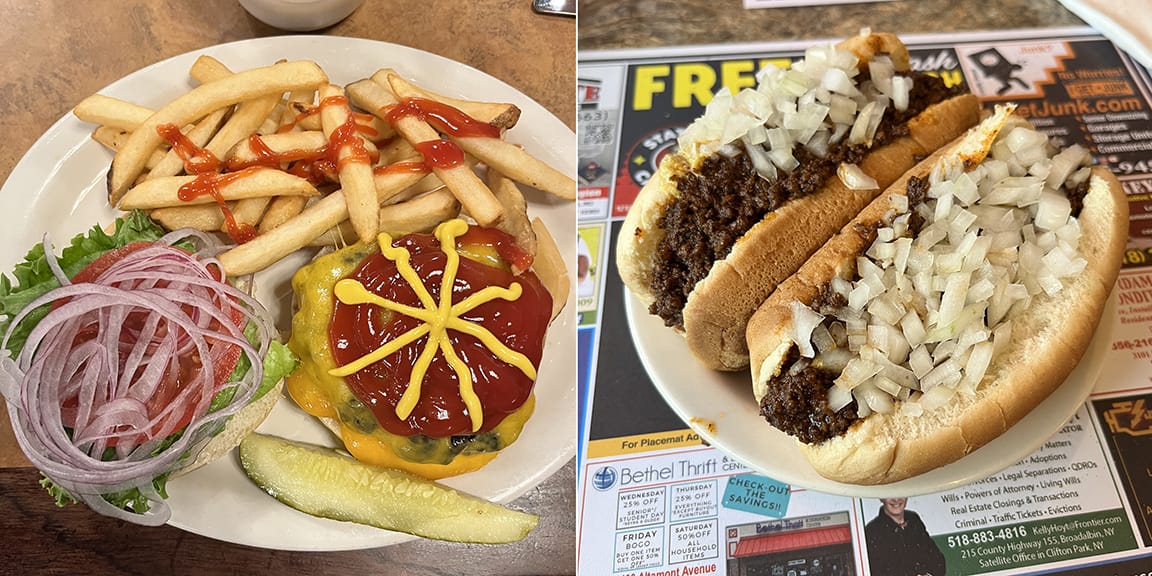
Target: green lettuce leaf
x,y
33,277
62,497
279,362
132,499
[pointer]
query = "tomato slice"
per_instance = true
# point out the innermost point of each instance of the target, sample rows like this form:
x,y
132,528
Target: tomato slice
x,y
105,261
177,377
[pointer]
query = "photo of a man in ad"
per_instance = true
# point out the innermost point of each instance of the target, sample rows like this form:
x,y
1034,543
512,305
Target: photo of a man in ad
x,y
899,544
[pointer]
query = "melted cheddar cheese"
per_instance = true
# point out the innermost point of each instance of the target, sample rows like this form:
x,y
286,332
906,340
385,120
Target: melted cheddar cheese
x,y
321,393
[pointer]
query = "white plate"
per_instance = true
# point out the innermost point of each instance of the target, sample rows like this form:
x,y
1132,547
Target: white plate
x,y
701,396
59,188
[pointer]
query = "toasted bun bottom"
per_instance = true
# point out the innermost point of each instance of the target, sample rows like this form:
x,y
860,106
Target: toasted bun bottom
x,y
717,310
240,425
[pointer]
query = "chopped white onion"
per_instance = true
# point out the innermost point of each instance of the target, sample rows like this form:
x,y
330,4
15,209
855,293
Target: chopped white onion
x,y
816,101
854,178
857,372
886,385
901,90
784,160
841,109
804,321
838,398
1053,211
822,339
836,80
834,360
928,313
760,161
874,398
936,397
955,294
818,143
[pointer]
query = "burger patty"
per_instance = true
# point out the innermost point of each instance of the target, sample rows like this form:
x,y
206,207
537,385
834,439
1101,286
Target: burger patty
x,y
418,447
725,197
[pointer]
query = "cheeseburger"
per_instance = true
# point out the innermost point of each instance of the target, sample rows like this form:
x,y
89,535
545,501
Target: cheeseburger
x,y
421,352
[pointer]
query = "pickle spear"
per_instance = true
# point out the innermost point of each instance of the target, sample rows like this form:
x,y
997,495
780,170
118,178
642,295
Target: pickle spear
x,y
322,482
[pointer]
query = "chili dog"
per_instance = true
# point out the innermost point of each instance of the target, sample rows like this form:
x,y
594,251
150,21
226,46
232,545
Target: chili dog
x,y
945,311
767,175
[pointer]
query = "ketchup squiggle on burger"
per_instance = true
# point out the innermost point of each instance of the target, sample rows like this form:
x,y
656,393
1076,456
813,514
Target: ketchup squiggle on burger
x,y
421,351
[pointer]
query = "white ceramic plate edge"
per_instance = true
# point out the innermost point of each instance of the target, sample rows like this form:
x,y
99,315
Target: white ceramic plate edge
x,y
720,408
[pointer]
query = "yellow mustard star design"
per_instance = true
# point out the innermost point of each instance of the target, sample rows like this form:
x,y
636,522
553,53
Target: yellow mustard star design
x,y
437,318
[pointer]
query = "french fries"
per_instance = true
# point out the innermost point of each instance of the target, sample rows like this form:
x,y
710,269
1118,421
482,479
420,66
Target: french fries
x,y
420,214
501,115
511,160
112,112
516,223
476,198
206,217
199,102
280,210
289,146
550,267
352,163
172,164
300,230
302,162
257,183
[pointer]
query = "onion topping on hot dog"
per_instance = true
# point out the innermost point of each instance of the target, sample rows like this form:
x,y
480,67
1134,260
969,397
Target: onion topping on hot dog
x,y
766,146
947,310
770,173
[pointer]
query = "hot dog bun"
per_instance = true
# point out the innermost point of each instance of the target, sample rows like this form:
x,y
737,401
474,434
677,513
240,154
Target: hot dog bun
x,y
718,307
1047,338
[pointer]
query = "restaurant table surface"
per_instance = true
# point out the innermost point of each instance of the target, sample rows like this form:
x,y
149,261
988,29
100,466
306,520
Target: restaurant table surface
x,y
609,24
53,53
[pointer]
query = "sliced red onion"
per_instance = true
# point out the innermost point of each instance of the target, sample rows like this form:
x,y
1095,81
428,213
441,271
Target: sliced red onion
x,y
53,265
171,302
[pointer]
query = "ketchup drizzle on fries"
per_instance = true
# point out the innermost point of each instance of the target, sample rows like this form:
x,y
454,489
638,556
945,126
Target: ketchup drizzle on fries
x,y
314,171
402,168
206,165
440,153
308,111
444,117
347,134
364,124
197,160
265,156
209,184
